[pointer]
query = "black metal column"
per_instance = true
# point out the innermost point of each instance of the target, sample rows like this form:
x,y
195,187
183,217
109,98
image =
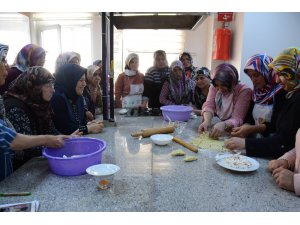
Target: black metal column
x,y
104,67
111,74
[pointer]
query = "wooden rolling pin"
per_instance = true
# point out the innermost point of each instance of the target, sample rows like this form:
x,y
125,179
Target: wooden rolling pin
x,y
150,131
185,144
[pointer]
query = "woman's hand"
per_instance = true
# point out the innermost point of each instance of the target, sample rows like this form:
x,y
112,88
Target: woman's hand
x,y
55,141
94,128
76,133
243,131
217,130
203,126
235,143
89,116
284,178
274,164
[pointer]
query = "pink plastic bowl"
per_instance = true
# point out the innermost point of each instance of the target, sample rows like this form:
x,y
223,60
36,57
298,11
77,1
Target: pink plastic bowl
x,y
176,112
75,156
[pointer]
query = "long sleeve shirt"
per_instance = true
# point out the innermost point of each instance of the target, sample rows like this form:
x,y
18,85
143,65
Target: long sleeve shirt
x,y
241,103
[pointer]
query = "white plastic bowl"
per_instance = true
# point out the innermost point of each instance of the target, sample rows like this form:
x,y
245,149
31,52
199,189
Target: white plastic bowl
x,y
161,139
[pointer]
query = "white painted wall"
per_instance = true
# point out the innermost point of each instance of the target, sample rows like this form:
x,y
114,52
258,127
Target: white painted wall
x,y
269,33
196,42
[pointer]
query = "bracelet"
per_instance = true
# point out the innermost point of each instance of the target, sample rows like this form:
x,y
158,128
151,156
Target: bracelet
x,y
83,129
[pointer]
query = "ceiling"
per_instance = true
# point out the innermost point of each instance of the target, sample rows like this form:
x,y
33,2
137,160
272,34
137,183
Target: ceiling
x,y
180,21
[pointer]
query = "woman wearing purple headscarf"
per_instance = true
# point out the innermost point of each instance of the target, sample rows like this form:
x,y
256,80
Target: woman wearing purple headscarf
x,y
30,55
265,88
227,98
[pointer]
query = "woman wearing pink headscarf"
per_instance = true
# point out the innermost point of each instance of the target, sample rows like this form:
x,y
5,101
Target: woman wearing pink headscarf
x,y
227,98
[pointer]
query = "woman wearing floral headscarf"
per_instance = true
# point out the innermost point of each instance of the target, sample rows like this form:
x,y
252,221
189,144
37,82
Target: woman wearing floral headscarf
x,y
287,110
30,55
227,98
265,89
187,61
155,78
27,103
176,90
92,92
129,85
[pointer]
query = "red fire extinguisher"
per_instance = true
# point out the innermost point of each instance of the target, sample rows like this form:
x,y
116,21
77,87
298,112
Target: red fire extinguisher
x,y
222,44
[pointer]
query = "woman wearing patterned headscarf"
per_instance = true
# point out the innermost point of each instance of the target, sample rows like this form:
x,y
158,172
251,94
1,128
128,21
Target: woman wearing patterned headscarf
x,y
27,103
189,68
227,98
30,55
155,78
68,101
92,92
285,119
176,90
265,88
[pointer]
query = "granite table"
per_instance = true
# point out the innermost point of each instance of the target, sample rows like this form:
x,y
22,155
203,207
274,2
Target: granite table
x,y
150,179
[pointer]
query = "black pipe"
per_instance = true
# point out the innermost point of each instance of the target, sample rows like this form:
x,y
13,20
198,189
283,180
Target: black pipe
x,y
104,67
111,56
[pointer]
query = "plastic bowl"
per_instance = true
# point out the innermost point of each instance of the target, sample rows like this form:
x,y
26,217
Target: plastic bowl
x,y
176,112
161,139
75,156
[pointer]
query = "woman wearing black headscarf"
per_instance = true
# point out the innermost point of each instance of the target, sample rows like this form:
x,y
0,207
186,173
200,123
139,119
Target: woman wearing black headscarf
x,y
68,101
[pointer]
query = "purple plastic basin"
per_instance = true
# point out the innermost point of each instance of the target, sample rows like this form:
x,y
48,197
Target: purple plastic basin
x,y
85,152
176,112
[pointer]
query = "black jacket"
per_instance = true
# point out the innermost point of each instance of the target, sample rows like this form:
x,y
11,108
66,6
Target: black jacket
x,y
284,124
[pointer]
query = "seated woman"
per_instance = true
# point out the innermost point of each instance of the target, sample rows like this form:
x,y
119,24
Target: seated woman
x,y
287,109
176,90
155,78
227,98
129,85
92,91
68,101
265,88
286,171
27,104
203,81
30,55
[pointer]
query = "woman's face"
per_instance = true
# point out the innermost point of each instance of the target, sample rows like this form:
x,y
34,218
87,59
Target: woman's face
x,y
186,61
160,61
257,79
3,73
287,86
177,73
134,64
202,82
96,78
80,85
41,60
47,91
221,87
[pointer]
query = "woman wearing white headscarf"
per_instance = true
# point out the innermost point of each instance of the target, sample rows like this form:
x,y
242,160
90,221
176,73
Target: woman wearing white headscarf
x,y
129,85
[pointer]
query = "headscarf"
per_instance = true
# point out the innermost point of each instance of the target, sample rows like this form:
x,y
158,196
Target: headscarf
x,y
3,52
91,70
66,79
228,75
128,59
287,63
28,89
179,89
259,63
189,71
28,56
65,58
203,71
97,62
